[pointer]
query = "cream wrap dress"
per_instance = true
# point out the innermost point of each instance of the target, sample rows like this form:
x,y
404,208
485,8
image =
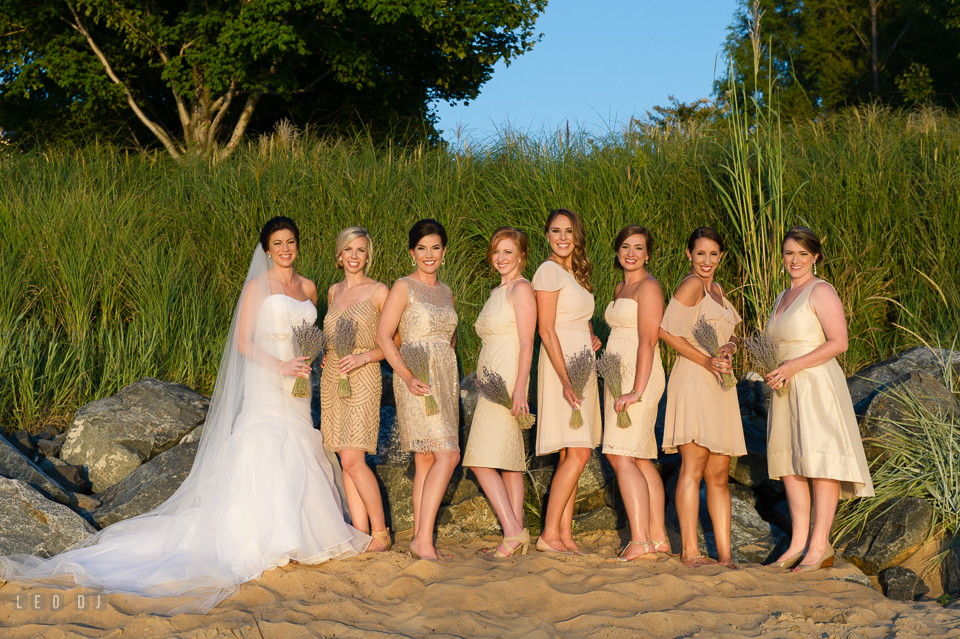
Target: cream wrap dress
x,y
812,430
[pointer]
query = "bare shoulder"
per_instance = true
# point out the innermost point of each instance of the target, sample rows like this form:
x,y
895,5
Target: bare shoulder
x,y
649,288
690,291
823,293
331,292
521,290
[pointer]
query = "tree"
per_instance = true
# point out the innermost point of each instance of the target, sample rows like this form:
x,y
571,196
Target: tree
x,y
828,53
75,68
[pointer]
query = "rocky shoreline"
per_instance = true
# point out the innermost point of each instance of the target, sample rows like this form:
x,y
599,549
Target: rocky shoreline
x,y
125,454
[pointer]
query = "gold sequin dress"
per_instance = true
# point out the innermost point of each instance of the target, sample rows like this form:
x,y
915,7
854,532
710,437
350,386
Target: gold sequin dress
x,y
638,439
352,422
495,437
812,430
431,320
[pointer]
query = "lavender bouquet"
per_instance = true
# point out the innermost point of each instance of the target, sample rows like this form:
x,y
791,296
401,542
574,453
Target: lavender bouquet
x,y
417,359
344,337
494,389
706,336
579,369
309,342
611,369
764,352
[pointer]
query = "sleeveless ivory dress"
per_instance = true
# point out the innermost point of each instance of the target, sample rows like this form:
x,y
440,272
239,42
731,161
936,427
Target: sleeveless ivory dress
x,y
638,440
812,430
431,320
352,422
575,307
699,409
495,437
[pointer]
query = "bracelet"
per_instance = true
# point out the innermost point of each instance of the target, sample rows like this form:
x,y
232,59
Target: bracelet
x,y
280,368
639,398
735,349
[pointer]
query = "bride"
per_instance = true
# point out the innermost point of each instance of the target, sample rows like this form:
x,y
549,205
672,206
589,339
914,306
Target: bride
x,y
261,491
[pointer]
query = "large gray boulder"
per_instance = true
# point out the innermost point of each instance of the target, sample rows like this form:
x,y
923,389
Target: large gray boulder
x,y
883,407
32,524
865,383
466,519
902,584
111,437
146,487
72,478
896,532
14,465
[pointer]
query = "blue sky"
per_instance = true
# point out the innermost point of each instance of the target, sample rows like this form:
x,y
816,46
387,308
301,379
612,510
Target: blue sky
x,y
599,62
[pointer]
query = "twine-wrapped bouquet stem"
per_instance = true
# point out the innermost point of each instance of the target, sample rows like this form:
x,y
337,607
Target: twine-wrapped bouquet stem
x,y
416,357
309,342
493,388
610,368
706,336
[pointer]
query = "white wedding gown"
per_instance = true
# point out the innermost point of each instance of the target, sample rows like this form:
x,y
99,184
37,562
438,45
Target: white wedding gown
x,y
261,491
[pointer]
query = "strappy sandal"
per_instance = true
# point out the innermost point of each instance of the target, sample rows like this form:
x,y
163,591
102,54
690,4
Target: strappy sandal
x,y
646,556
697,561
728,564
383,536
657,544
523,545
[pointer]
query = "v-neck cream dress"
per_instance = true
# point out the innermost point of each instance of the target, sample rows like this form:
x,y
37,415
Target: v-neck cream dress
x,y
812,429
699,409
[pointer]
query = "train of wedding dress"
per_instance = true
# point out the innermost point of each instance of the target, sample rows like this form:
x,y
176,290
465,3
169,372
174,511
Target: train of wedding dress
x,y
260,494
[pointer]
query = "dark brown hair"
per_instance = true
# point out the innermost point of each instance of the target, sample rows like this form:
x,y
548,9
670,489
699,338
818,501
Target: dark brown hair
x,y
275,224
627,231
425,228
807,239
518,237
705,233
579,262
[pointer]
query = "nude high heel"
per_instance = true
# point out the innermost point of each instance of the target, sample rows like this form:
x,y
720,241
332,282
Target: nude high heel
x,y
789,562
543,546
523,538
383,536
825,562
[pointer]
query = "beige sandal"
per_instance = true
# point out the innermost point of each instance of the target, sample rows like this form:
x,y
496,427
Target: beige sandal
x,y
383,536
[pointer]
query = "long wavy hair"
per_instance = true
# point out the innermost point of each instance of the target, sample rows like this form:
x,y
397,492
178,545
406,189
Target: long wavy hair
x,y
579,262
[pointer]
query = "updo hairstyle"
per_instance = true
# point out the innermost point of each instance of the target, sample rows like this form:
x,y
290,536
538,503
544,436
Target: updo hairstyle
x,y
519,238
348,235
275,224
627,231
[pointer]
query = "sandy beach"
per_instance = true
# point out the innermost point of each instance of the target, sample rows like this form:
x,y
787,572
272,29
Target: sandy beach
x,y
472,595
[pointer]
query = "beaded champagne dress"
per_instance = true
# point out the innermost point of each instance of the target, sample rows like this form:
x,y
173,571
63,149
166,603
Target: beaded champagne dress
x,y
495,437
812,430
699,409
352,422
637,440
575,307
430,320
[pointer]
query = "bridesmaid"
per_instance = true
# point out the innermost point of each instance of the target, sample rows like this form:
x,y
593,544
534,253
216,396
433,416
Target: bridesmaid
x,y
421,309
702,417
564,308
350,425
813,442
634,318
506,325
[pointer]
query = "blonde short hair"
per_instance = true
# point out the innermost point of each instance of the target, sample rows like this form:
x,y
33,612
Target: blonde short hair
x,y
348,235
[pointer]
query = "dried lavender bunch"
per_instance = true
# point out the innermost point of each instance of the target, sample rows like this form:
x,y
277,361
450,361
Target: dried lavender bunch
x,y
706,336
764,352
309,342
494,389
417,359
344,337
579,369
610,368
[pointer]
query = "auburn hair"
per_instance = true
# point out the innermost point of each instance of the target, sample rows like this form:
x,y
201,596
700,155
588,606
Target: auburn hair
x,y
519,238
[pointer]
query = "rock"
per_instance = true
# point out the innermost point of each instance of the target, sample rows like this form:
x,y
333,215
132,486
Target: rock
x,y
463,485
32,524
146,487
14,465
865,383
853,577
22,441
387,398
71,477
49,448
466,519
752,539
604,518
47,431
883,407
468,404
780,517
902,584
111,437
193,436
950,572
597,474
889,537
397,494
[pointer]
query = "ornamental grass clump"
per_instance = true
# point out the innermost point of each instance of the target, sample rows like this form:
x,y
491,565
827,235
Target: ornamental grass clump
x,y
492,387
610,368
764,353
579,369
344,338
706,336
417,358
309,342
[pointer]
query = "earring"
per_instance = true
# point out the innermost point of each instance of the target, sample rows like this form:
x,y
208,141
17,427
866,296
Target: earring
x,y
413,261
814,269
783,269
443,261
269,257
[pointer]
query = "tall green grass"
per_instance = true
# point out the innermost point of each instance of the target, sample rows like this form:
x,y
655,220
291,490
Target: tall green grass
x,y
119,266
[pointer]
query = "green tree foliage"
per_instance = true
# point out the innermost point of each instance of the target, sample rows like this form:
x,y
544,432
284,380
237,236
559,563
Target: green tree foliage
x,y
194,75
829,53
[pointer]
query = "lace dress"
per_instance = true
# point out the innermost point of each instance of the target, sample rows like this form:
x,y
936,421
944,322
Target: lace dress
x,y
431,320
352,422
495,437
637,440
812,430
